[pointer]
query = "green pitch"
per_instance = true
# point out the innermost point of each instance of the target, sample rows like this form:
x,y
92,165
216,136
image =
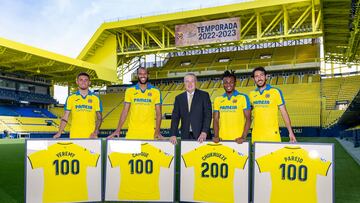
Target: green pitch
x,y
12,152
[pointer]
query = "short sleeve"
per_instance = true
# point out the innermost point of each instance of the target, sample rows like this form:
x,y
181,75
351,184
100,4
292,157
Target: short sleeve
x,y
216,105
98,105
189,158
91,158
239,159
279,99
164,159
115,159
128,96
37,159
158,97
251,99
265,162
322,166
246,103
68,104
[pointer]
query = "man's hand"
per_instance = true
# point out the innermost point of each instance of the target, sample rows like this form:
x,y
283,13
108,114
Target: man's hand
x,y
159,137
216,139
114,134
94,134
240,140
57,135
202,137
292,137
173,140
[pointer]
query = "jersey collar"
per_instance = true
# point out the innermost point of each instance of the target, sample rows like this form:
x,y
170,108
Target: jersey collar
x,y
267,87
235,93
292,147
64,143
214,144
89,93
148,86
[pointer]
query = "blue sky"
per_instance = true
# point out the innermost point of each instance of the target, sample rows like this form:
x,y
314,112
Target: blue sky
x,y
65,26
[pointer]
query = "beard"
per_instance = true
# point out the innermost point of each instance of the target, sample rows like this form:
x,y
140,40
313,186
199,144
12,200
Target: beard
x,y
83,88
259,86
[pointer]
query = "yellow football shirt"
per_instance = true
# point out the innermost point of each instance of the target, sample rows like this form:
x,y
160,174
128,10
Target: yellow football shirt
x,y
142,111
265,107
214,168
140,172
64,166
293,173
83,113
231,112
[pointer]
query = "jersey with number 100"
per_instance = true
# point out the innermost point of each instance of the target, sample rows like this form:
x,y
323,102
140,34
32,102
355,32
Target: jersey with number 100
x,y
214,166
140,172
65,166
293,174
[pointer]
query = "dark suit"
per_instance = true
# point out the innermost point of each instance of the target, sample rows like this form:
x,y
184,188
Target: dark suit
x,y
199,115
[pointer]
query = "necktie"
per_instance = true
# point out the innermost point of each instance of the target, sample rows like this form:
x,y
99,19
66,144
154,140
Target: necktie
x,y
189,105
190,100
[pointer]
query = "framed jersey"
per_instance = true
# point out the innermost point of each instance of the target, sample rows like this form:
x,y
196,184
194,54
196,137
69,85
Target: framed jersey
x,y
213,172
300,172
141,171
63,170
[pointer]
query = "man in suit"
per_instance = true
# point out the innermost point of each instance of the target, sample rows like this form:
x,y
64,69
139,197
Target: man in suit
x,y
193,108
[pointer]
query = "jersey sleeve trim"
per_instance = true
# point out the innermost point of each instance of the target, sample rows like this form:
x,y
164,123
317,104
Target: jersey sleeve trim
x,y
248,105
30,162
281,96
100,104
258,166
328,169
110,161
66,104
172,158
97,160
247,158
184,161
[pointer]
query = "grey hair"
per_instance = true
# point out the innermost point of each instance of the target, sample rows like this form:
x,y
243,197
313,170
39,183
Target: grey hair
x,y
190,74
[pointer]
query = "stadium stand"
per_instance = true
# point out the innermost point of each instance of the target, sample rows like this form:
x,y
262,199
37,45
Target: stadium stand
x,y
340,90
237,60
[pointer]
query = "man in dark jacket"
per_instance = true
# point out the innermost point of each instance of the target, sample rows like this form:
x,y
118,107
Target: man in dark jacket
x,y
193,108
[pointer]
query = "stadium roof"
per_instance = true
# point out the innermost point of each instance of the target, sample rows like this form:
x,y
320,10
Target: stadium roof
x,y
339,44
267,12
26,60
119,43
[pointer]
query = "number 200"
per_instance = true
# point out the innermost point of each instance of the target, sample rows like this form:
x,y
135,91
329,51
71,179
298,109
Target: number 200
x,y
214,170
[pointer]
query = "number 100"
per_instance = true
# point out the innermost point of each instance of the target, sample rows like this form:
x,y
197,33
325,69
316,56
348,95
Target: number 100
x,y
291,172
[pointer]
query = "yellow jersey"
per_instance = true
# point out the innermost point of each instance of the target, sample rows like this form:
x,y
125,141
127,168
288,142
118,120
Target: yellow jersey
x,y
140,172
231,112
142,111
293,173
64,166
265,106
83,113
214,168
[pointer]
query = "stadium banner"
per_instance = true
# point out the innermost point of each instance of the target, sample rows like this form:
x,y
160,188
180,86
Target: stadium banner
x,y
214,172
299,172
139,170
215,31
63,170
